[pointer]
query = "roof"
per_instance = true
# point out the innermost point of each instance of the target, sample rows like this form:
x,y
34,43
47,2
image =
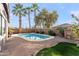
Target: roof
x,y
63,25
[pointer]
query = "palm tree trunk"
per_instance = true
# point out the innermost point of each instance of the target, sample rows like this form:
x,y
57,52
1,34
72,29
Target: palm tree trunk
x,y
29,19
34,17
20,28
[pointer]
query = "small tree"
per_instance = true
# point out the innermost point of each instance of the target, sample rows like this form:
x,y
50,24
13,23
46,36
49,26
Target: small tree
x,y
75,31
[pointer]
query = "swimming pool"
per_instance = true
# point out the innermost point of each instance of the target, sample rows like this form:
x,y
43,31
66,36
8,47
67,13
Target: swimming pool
x,y
35,36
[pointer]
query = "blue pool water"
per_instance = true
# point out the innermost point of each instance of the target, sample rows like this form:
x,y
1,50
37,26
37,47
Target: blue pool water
x,y
34,36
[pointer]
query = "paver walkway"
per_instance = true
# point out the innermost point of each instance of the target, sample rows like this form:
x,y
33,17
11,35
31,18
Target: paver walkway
x,y
20,47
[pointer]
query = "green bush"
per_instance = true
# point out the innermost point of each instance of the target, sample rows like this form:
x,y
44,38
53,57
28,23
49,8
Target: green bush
x,y
75,30
42,32
10,30
0,31
37,32
61,30
50,32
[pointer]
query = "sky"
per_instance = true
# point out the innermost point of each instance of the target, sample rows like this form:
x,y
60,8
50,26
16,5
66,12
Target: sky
x,y
64,11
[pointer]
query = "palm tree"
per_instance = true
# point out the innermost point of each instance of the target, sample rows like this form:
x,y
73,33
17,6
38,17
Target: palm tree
x,y
51,18
75,17
28,12
47,18
35,8
40,18
38,21
44,15
18,11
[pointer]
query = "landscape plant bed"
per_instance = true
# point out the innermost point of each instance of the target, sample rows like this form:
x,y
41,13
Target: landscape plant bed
x,y
61,49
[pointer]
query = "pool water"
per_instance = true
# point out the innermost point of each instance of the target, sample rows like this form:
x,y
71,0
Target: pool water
x,y
34,36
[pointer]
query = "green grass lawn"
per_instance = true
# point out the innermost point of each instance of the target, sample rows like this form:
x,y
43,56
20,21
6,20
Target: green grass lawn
x,y
61,49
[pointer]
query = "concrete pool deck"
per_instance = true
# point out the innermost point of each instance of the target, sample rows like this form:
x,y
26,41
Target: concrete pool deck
x,y
19,47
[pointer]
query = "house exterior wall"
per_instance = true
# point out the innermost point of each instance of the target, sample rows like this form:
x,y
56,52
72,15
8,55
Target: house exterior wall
x,y
68,32
4,26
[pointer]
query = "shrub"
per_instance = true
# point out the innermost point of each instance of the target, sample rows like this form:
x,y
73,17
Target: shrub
x,y
42,32
75,31
37,32
50,32
10,30
0,30
61,30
